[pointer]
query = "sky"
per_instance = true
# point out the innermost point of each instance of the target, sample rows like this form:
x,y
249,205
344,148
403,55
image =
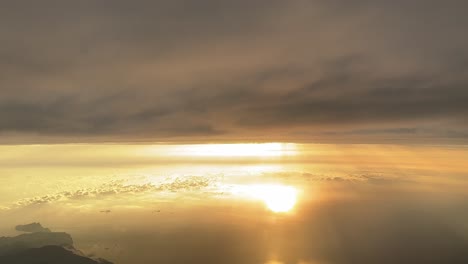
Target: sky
x,y
221,71
349,118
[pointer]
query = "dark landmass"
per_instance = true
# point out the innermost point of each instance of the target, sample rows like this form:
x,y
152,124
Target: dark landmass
x,y
11,245
49,255
42,246
32,228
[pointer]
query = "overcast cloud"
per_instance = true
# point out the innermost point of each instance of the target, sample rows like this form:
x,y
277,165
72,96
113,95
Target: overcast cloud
x,y
233,70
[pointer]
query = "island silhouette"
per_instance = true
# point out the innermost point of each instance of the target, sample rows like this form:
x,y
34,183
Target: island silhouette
x,y
40,245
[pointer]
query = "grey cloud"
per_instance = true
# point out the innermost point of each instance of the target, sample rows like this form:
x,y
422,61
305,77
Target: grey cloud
x,y
230,70
405,102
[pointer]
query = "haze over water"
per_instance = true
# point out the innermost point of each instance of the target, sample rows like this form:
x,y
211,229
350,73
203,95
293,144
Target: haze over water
x,y
247,203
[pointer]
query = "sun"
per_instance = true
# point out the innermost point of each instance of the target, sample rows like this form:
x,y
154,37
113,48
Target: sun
x,y
277,198
280,204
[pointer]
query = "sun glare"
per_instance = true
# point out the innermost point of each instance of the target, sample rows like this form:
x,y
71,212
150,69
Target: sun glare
x,y
237,150
278,198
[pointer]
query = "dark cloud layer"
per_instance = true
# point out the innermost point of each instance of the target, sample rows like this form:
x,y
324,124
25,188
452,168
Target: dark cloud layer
x,y
233,70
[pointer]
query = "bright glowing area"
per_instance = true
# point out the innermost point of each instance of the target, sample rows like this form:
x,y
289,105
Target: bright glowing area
x,y
278,198
237,150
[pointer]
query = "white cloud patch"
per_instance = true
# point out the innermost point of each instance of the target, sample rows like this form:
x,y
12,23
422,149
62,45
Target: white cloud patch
x,y
115,188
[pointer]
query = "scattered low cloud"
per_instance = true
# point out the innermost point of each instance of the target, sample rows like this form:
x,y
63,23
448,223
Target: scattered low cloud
x,y
179,184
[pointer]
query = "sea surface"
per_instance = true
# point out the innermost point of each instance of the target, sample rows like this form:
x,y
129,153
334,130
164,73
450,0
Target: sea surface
x,y
244,203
